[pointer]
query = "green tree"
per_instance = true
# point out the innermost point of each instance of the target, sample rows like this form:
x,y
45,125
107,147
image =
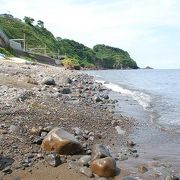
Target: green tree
x,y
58,38
28,20
40,23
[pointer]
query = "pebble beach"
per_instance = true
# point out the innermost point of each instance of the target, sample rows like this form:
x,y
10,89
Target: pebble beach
x,y
35,99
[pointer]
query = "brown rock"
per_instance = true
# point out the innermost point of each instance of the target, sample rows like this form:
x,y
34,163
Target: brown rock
x,y
142,169
61,142
105,167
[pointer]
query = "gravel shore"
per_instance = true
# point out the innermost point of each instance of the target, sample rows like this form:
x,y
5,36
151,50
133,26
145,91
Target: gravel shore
x,y
74,100
36,98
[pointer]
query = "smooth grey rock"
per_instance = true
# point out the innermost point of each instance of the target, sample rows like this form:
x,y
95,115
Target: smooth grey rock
x,y
86,171
84,160
53,160
100,151
48,81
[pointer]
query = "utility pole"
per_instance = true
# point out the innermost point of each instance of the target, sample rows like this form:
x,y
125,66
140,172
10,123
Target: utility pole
x,y
21,40
45,50
24,42
58,54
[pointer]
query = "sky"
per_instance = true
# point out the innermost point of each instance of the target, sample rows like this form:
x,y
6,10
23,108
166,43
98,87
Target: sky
x,y
148,29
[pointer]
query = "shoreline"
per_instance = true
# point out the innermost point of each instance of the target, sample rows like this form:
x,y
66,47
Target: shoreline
x,y
45,106
153,141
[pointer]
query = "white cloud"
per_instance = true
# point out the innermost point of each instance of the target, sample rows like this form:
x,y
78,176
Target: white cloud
x,y
128,24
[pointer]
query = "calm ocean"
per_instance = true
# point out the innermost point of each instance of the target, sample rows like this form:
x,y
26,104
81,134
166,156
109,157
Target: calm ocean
x,y
157,91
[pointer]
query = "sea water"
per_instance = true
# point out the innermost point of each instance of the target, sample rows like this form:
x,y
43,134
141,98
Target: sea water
x,y
157,91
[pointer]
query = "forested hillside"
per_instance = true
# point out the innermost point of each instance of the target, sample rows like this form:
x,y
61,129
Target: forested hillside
x,y
41,40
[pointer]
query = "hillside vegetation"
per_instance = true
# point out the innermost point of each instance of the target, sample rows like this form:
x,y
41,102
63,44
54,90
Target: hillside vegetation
x,y
76,54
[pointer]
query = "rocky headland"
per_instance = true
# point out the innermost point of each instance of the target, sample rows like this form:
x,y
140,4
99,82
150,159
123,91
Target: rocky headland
x,y
60,124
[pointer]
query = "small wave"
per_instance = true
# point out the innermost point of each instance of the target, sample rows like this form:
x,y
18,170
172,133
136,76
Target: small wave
x,y
100,81
98,76
142,98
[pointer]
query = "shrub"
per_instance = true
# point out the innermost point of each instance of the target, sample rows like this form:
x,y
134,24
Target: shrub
x,y
5,52
71,63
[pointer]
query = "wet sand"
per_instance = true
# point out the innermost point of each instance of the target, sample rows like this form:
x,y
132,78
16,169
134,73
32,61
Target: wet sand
x,y
155,145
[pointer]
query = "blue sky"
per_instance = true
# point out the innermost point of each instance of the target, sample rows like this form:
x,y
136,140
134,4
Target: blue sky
x,y
148,29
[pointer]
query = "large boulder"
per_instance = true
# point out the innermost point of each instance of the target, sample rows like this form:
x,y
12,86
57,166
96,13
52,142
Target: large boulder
x,y
99,151
105,167
61,142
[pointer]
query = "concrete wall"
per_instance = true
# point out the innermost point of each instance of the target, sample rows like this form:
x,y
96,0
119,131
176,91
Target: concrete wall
x,y
4,40
15,45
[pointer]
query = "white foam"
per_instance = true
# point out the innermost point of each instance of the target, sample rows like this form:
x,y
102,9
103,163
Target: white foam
x,y
142,98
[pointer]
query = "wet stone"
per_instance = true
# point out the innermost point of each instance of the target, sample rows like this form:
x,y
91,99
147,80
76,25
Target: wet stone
x,y
53,160
84,160
100,151
86,171
104,167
